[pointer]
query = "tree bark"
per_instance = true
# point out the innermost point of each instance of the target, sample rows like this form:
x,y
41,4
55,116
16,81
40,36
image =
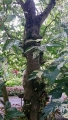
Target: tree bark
x,y
34,95
31,98
4,93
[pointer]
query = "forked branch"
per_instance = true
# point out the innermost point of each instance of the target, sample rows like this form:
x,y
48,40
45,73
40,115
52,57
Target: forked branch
x,y
46,12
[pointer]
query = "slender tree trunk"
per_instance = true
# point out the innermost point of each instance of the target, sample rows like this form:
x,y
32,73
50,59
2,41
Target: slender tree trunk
x,y
5,96
31,97
4,93
34,95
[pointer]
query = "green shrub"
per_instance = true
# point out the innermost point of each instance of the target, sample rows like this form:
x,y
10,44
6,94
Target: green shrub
x,y
14,82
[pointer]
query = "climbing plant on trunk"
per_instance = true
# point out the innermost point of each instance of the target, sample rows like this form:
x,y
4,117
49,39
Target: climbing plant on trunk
x,y
35,97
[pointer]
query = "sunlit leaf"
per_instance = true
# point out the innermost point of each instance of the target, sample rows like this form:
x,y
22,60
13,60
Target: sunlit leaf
x,y
39,74
47,46
33,75
35,54
16,49
60,65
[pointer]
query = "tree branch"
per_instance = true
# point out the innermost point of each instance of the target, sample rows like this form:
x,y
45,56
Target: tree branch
x,y
46,12
49,25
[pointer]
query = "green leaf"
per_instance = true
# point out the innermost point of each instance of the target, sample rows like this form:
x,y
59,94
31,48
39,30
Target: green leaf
x,y
52,75
1,72
65,111
1,26
13,113
7,105
48,109
65,102
33,75
1,117
52,45
17,50
66,30
30,48
62,80
7,1
10,18
66,91
1,84
61,65
1,59
56,93
9,43
47,46
60,59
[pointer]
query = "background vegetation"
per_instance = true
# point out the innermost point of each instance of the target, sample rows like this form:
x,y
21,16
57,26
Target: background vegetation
x,y
54,45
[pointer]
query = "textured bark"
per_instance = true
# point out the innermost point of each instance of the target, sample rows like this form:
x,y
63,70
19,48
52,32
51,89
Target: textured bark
x,y
4,93
33,21
34,95
34,98
31,98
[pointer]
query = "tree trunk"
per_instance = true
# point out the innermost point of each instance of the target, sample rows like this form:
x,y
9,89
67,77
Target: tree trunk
x,y
4,93
5,96
31,98
34,95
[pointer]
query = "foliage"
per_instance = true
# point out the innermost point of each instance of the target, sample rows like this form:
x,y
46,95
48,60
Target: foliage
x,y
51,107
14,81
13,113
54,45
10,112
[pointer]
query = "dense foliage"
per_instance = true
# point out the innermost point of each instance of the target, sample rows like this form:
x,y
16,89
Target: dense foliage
x,y
54,45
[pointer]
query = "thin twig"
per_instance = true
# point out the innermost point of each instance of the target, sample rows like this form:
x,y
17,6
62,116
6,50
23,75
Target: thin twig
x,y
2,102
49,25
10,36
